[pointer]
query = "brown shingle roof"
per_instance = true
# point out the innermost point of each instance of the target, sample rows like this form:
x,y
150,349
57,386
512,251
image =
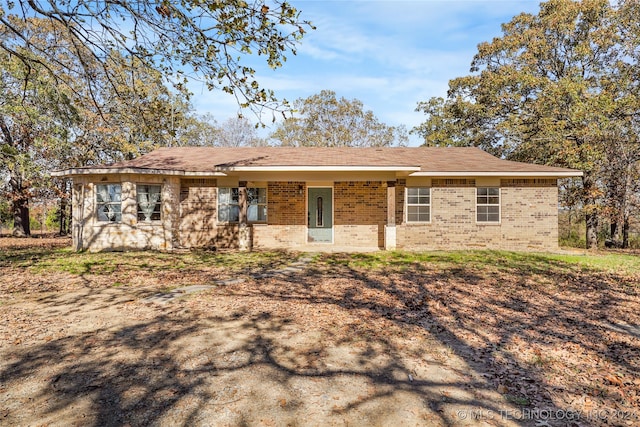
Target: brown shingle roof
x,y
428,159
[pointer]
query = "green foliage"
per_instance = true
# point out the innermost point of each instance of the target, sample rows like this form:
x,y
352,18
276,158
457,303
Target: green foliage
x,y
177,39
34,223
52,220
558,88
325,121
6,218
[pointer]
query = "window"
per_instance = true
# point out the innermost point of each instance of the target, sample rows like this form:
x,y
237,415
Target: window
x,y
256,204
228,208
488,204
229,204
418,204
319,218
149,202
109,202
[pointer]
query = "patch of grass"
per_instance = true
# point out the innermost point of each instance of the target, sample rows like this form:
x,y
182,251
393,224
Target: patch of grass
x,y
43,260
517,400
520,262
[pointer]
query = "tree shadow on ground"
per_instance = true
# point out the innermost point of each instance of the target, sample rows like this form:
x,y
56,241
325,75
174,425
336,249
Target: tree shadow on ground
x,y
331,345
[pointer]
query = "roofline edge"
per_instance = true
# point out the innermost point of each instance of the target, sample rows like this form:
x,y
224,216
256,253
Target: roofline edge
x,y
562,174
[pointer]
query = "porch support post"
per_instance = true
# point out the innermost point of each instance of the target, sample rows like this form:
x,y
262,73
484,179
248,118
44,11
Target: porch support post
x,y
244,231
390,227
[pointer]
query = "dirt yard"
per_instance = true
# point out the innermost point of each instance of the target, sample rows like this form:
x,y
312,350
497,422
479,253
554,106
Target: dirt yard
x,y
347,341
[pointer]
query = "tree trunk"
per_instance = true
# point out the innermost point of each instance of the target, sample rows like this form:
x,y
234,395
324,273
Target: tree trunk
x,y
614,229
64,223
592,229
591,213
625,232
21,226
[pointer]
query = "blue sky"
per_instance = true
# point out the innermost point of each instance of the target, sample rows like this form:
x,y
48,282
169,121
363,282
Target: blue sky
x,y
388,54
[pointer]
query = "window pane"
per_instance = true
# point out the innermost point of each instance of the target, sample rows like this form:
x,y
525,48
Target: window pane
x,y
102,194
223,195
494,200
262,213
109,212
256,195
114,192
482,200
262,195
493,191
482,191
235,195
149,202
256,213
108,192
418,214
103,213
108,199
252,213
234,213
223,213
488,214
418,196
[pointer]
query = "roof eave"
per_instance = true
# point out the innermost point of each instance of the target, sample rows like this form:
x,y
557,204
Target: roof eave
x,y
560,174
319,168
144,171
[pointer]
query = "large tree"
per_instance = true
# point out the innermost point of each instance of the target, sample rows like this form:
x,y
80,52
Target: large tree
x,y
32,118
206,39
555,88
322,120
44,126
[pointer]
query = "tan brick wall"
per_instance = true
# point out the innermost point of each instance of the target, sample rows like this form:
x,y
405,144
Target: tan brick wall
x,y
285,204
279,236
199,226
94,235
360,213
529,216
529,221
198,210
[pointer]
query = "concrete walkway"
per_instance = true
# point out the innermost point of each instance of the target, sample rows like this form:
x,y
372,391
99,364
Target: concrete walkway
x,y
295,267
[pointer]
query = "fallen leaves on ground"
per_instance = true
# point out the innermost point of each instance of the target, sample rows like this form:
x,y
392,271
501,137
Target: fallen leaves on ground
x,y
562,338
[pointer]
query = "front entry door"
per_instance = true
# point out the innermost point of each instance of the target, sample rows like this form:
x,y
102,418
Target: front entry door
x,y
320,215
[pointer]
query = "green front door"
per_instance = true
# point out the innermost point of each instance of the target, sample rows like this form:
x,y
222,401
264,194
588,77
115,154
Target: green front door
x,y
320,215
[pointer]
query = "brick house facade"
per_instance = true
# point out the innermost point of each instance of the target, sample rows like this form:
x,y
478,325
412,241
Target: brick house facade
x,y
243,198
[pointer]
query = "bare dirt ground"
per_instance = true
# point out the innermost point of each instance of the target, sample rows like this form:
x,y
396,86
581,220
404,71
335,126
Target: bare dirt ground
x,y
420,344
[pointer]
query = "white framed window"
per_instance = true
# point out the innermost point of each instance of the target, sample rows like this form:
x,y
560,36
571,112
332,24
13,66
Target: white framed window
x,y
257,204
229,204
488,204
149,198
109,202
418,204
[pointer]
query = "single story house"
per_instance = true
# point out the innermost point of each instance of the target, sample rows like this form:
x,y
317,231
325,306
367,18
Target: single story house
x,y
277,197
